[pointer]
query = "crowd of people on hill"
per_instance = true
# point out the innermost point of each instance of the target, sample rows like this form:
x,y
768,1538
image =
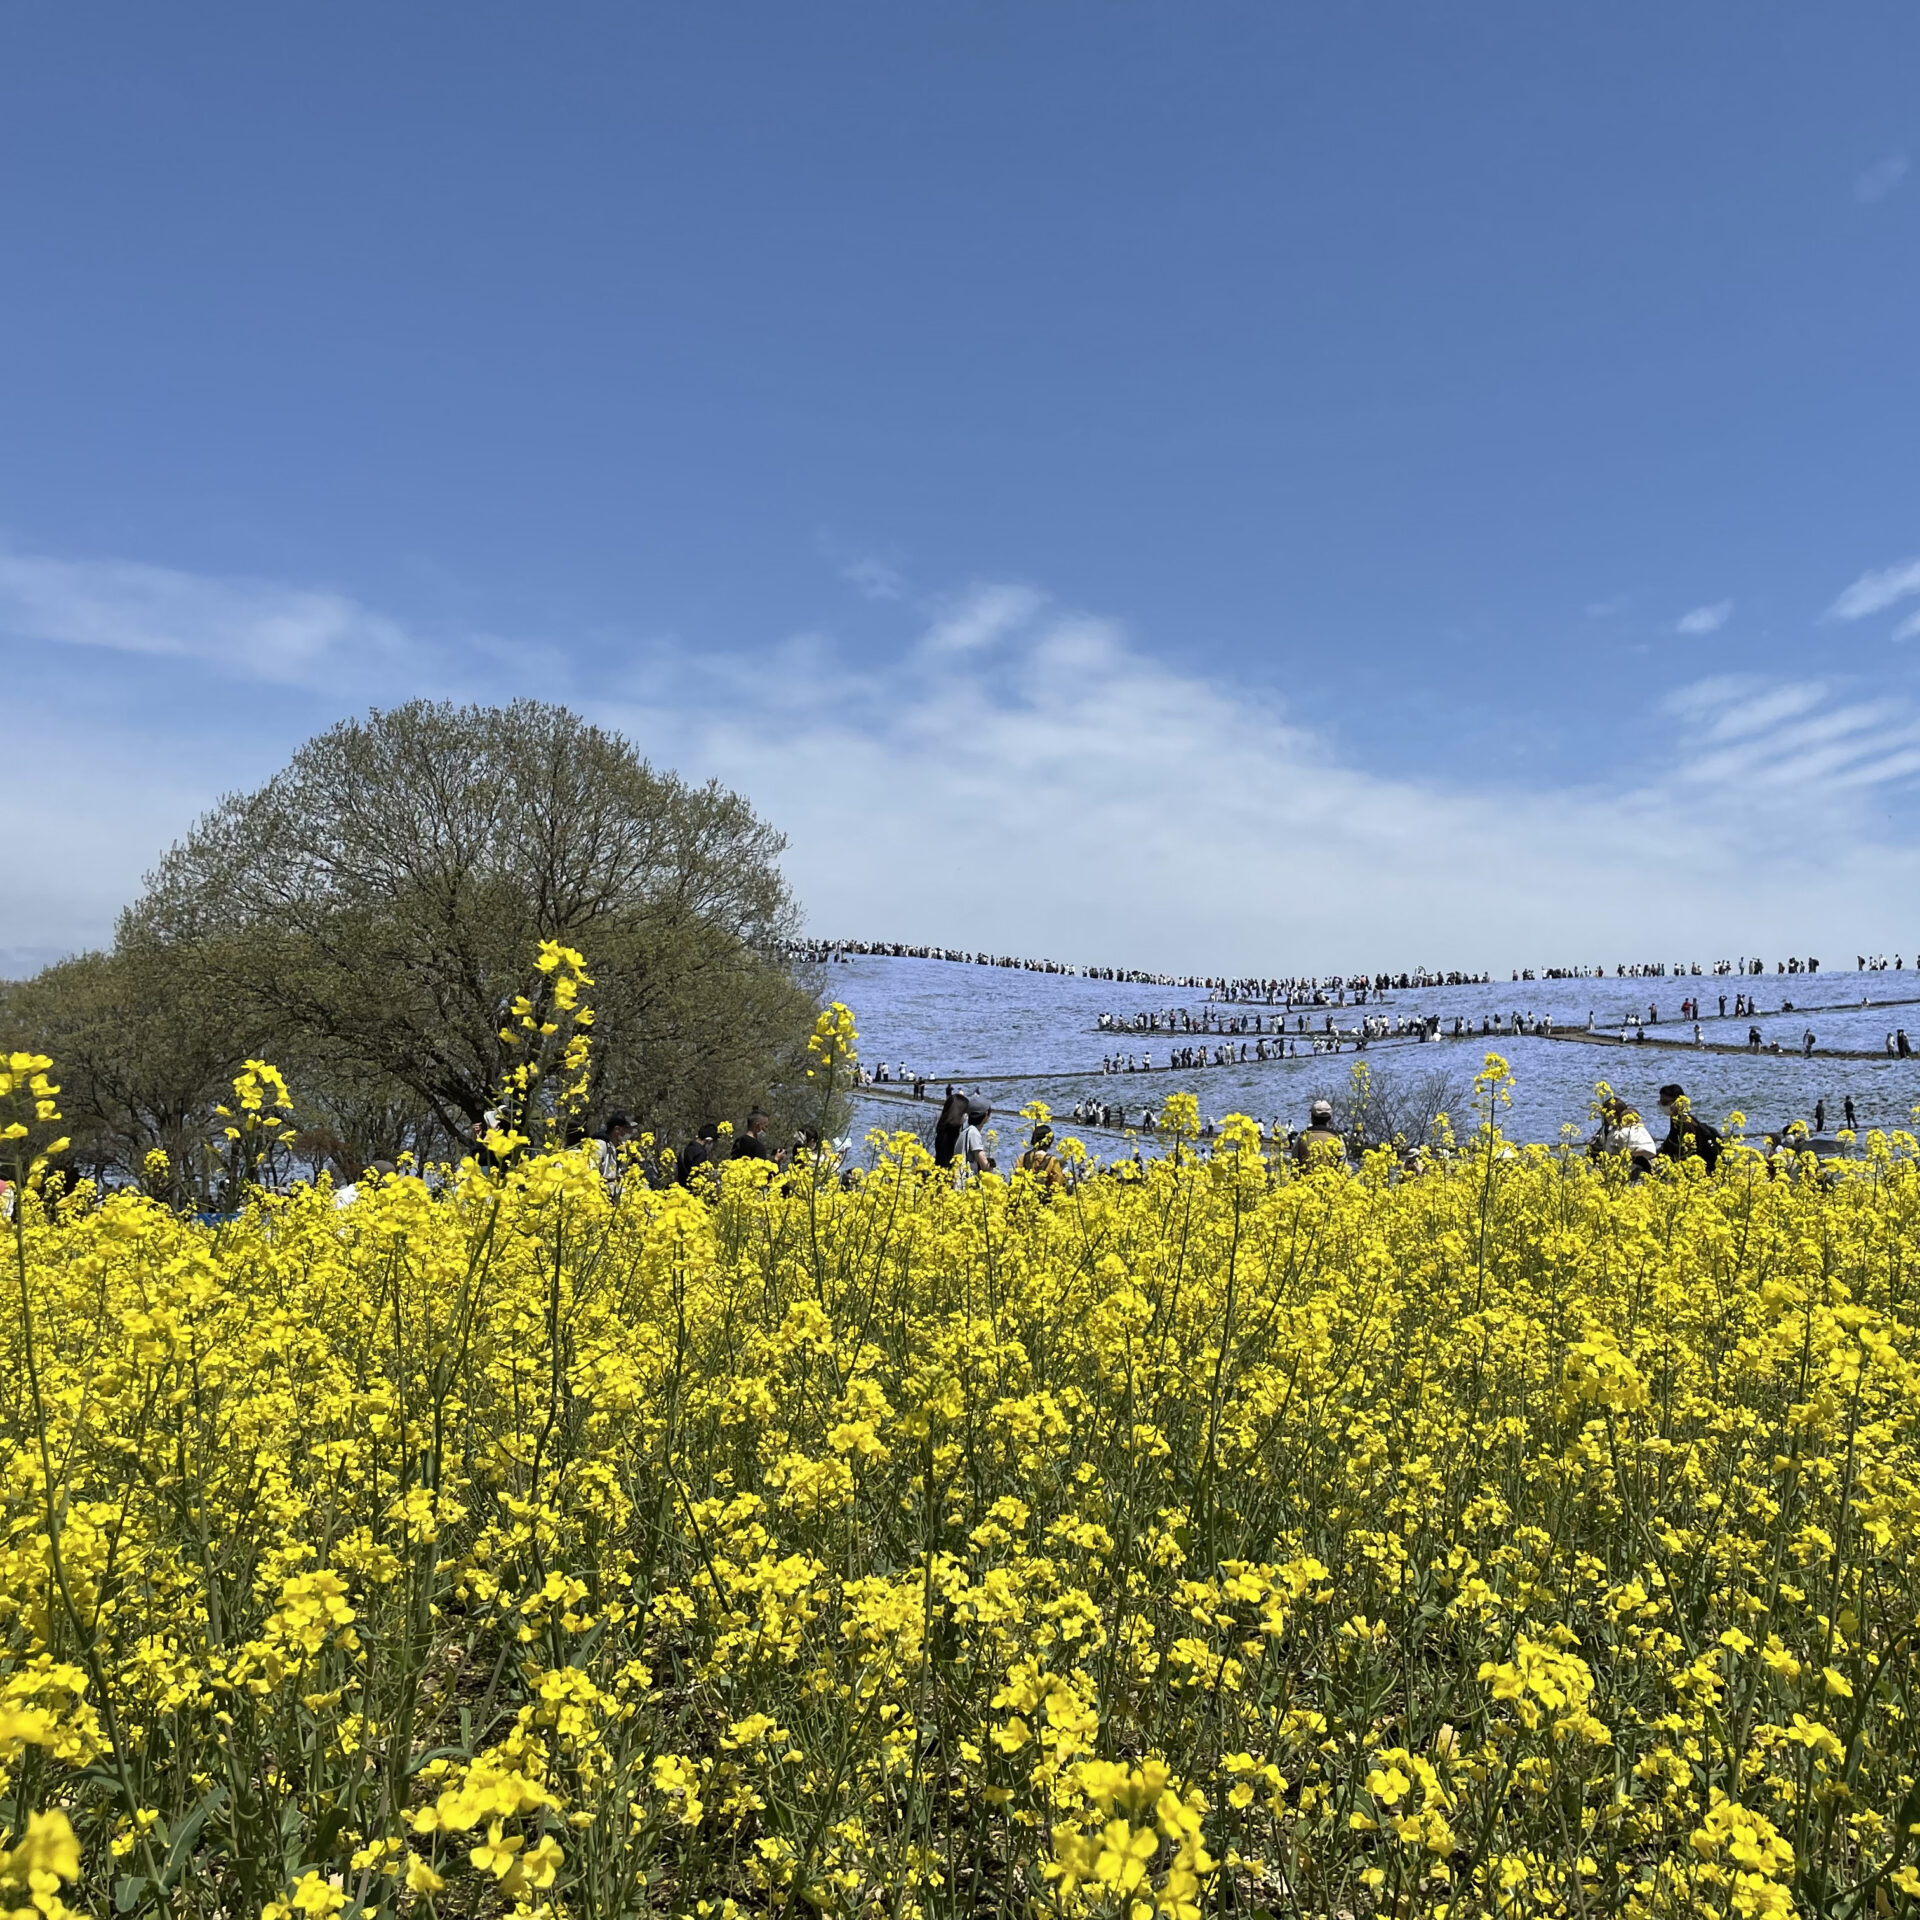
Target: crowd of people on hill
x,y
1680,969
1226,1053
1219,987
1207,1021
833,952
1260,987
1272,1042
1333,989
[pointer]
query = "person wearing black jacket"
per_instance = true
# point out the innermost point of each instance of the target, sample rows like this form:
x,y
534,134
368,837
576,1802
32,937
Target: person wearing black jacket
x,y
703,1151
1686,1136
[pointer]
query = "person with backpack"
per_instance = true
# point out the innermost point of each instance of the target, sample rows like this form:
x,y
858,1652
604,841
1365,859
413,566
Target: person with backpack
x,y
1320,1145
1622,1131
1687,1137
1040,1160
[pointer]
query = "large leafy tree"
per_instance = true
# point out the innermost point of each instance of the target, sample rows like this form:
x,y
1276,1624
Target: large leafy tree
x,y
371,910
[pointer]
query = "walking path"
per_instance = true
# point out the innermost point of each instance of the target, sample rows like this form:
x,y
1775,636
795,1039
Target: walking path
x,y
1683,1044
1713,1046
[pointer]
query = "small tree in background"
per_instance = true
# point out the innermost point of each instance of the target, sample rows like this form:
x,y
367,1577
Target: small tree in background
x,y
1396,1108
148,1044
365,919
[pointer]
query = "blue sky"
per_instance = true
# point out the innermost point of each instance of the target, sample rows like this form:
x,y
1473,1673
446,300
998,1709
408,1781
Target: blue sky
x,y
1219,486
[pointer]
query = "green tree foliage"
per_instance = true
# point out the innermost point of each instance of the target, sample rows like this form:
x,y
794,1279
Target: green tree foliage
x,y
366,915
146,1043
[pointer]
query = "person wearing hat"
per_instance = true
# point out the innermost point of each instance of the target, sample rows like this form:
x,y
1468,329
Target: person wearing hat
x,y
970,1150
1319,1144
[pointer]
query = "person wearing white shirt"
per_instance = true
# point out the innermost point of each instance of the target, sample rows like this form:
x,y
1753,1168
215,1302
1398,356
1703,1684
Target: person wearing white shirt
x,y
1623,1131
606,1151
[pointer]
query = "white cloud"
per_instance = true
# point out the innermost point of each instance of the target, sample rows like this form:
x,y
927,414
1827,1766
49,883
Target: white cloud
x,y
1876,591
1021,775
1049,787
1705,619
1795,742
260,629
981,617
1880,179
1908,627
1731,706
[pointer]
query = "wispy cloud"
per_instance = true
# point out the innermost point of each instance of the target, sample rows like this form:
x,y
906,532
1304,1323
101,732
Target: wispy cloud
x,y
1796,741
1908,628
1732,705
1880,179
1875,591
979,618
1705,619
261,629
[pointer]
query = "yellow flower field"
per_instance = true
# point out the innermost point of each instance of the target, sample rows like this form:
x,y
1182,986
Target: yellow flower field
x,y
1506,1539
